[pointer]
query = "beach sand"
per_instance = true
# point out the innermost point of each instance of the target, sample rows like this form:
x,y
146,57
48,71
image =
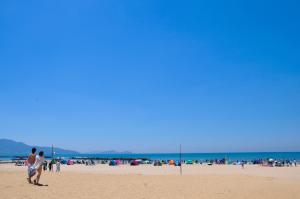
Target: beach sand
x,y
146,181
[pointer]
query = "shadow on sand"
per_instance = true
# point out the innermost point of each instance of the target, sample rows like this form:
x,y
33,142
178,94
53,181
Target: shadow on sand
x,y
41,185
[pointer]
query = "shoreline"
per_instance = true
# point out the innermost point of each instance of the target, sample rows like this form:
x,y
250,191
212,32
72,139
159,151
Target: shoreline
x,y
148,182
233,156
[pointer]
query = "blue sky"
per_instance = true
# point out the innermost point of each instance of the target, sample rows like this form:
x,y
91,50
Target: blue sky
x,y
146,76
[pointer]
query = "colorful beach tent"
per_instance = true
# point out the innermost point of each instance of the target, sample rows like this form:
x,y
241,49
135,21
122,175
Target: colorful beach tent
x,y
146,162
189,162
118,162
135,163
177,163
112,163
171,162
70,162
63,161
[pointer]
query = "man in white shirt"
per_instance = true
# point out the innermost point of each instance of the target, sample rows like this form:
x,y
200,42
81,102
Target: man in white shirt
x,y
37,167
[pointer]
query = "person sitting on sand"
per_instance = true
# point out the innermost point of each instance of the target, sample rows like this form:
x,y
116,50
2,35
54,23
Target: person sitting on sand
x,y
31,161
37,167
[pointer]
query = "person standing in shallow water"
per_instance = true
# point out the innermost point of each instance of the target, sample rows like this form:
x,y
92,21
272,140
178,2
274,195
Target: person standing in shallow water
x,y
31,161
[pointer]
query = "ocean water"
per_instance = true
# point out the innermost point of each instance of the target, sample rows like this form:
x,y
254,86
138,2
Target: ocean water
x,y
199,156
189,156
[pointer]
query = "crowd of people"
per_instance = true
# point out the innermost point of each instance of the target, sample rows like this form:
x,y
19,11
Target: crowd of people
x,y
50,165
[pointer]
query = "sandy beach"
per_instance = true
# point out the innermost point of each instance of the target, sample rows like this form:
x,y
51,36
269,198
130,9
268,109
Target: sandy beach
x,y
147,181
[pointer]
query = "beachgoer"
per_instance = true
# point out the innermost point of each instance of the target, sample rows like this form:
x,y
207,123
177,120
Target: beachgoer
x,y
50,166
31,161
45,165
295,162
243,164
37,167
57,166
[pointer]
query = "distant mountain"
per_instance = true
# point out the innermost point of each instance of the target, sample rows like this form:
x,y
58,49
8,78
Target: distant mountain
x,y
10,147
111,152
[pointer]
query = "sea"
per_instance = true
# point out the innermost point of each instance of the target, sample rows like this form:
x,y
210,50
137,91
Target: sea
x,y
187,156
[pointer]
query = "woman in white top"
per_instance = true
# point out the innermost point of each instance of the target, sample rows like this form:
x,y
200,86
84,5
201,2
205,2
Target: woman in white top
x,y
37,167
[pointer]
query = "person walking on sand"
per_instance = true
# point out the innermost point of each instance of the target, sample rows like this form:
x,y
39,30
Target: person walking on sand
x,y
37,167
45,165
58,166
50,166
31,161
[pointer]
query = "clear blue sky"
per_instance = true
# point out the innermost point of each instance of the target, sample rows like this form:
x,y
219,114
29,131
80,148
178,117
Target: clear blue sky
x,y
147,75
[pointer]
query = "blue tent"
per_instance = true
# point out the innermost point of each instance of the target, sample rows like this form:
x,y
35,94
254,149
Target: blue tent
x,y
113,163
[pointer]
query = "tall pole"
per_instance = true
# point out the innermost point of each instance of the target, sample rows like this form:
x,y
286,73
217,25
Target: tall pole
x,y
180,160
52,152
